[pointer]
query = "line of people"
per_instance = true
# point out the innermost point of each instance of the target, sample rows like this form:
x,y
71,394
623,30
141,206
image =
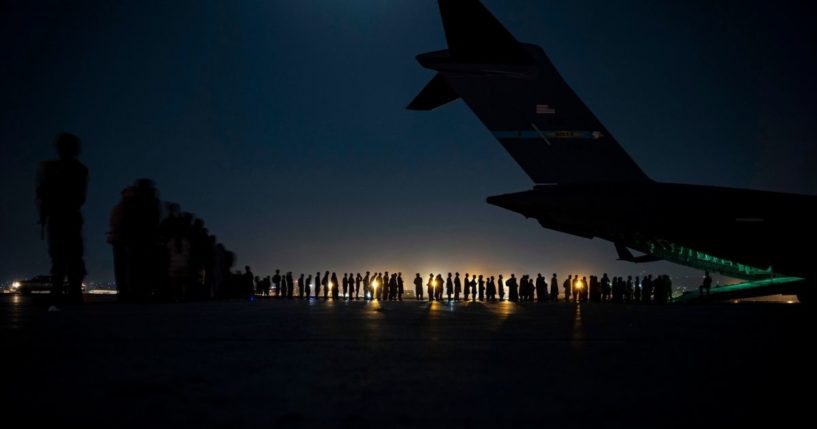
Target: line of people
x,y
166,254
390,287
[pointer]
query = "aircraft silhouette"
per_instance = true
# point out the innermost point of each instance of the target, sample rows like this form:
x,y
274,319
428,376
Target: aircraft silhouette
x,y
516,91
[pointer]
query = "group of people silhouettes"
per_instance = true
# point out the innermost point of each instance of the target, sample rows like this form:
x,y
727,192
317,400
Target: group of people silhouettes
x,y
164,253
390,287
169,254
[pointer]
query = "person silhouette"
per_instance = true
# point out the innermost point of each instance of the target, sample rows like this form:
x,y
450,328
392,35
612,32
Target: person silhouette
x,y
306,287
567,285
334,286
418,287
707,284
276,282
290,284
457,286
481,287
367,287
62,187
513,289
139,267
325,284
400,286
438,287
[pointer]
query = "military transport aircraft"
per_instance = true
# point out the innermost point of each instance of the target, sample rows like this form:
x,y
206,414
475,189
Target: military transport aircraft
x,y
519,95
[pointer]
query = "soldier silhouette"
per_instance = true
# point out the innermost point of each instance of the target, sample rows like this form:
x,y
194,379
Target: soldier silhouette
x,y
61,190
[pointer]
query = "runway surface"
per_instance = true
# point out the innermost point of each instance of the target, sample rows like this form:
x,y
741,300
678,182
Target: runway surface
x,y
292,363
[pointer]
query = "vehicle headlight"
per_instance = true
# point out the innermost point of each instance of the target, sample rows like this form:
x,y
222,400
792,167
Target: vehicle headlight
x,y
15,285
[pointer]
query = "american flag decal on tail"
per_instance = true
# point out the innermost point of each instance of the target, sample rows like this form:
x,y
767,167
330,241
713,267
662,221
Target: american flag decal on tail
x,y
545,109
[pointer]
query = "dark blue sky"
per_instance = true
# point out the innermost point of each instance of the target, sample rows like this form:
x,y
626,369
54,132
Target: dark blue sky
x,y
283,123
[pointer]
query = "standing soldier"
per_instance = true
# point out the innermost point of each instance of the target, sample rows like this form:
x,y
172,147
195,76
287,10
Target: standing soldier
x,y
467,285
501,286
61,190
449,287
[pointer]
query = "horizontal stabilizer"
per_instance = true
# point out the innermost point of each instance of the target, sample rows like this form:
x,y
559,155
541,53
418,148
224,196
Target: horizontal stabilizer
x,y
434,95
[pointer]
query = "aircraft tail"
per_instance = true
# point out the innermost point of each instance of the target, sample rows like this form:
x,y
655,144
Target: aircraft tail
x,y
519,95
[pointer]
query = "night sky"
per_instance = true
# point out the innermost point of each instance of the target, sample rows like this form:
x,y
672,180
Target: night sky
x,y
283,124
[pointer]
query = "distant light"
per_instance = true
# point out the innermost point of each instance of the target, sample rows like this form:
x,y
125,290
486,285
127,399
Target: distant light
x,y
15,285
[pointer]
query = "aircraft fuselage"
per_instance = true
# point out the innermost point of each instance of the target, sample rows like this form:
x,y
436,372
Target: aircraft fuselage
x,y
755,228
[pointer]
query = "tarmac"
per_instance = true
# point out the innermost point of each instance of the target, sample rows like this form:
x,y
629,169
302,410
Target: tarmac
x,y
290,363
